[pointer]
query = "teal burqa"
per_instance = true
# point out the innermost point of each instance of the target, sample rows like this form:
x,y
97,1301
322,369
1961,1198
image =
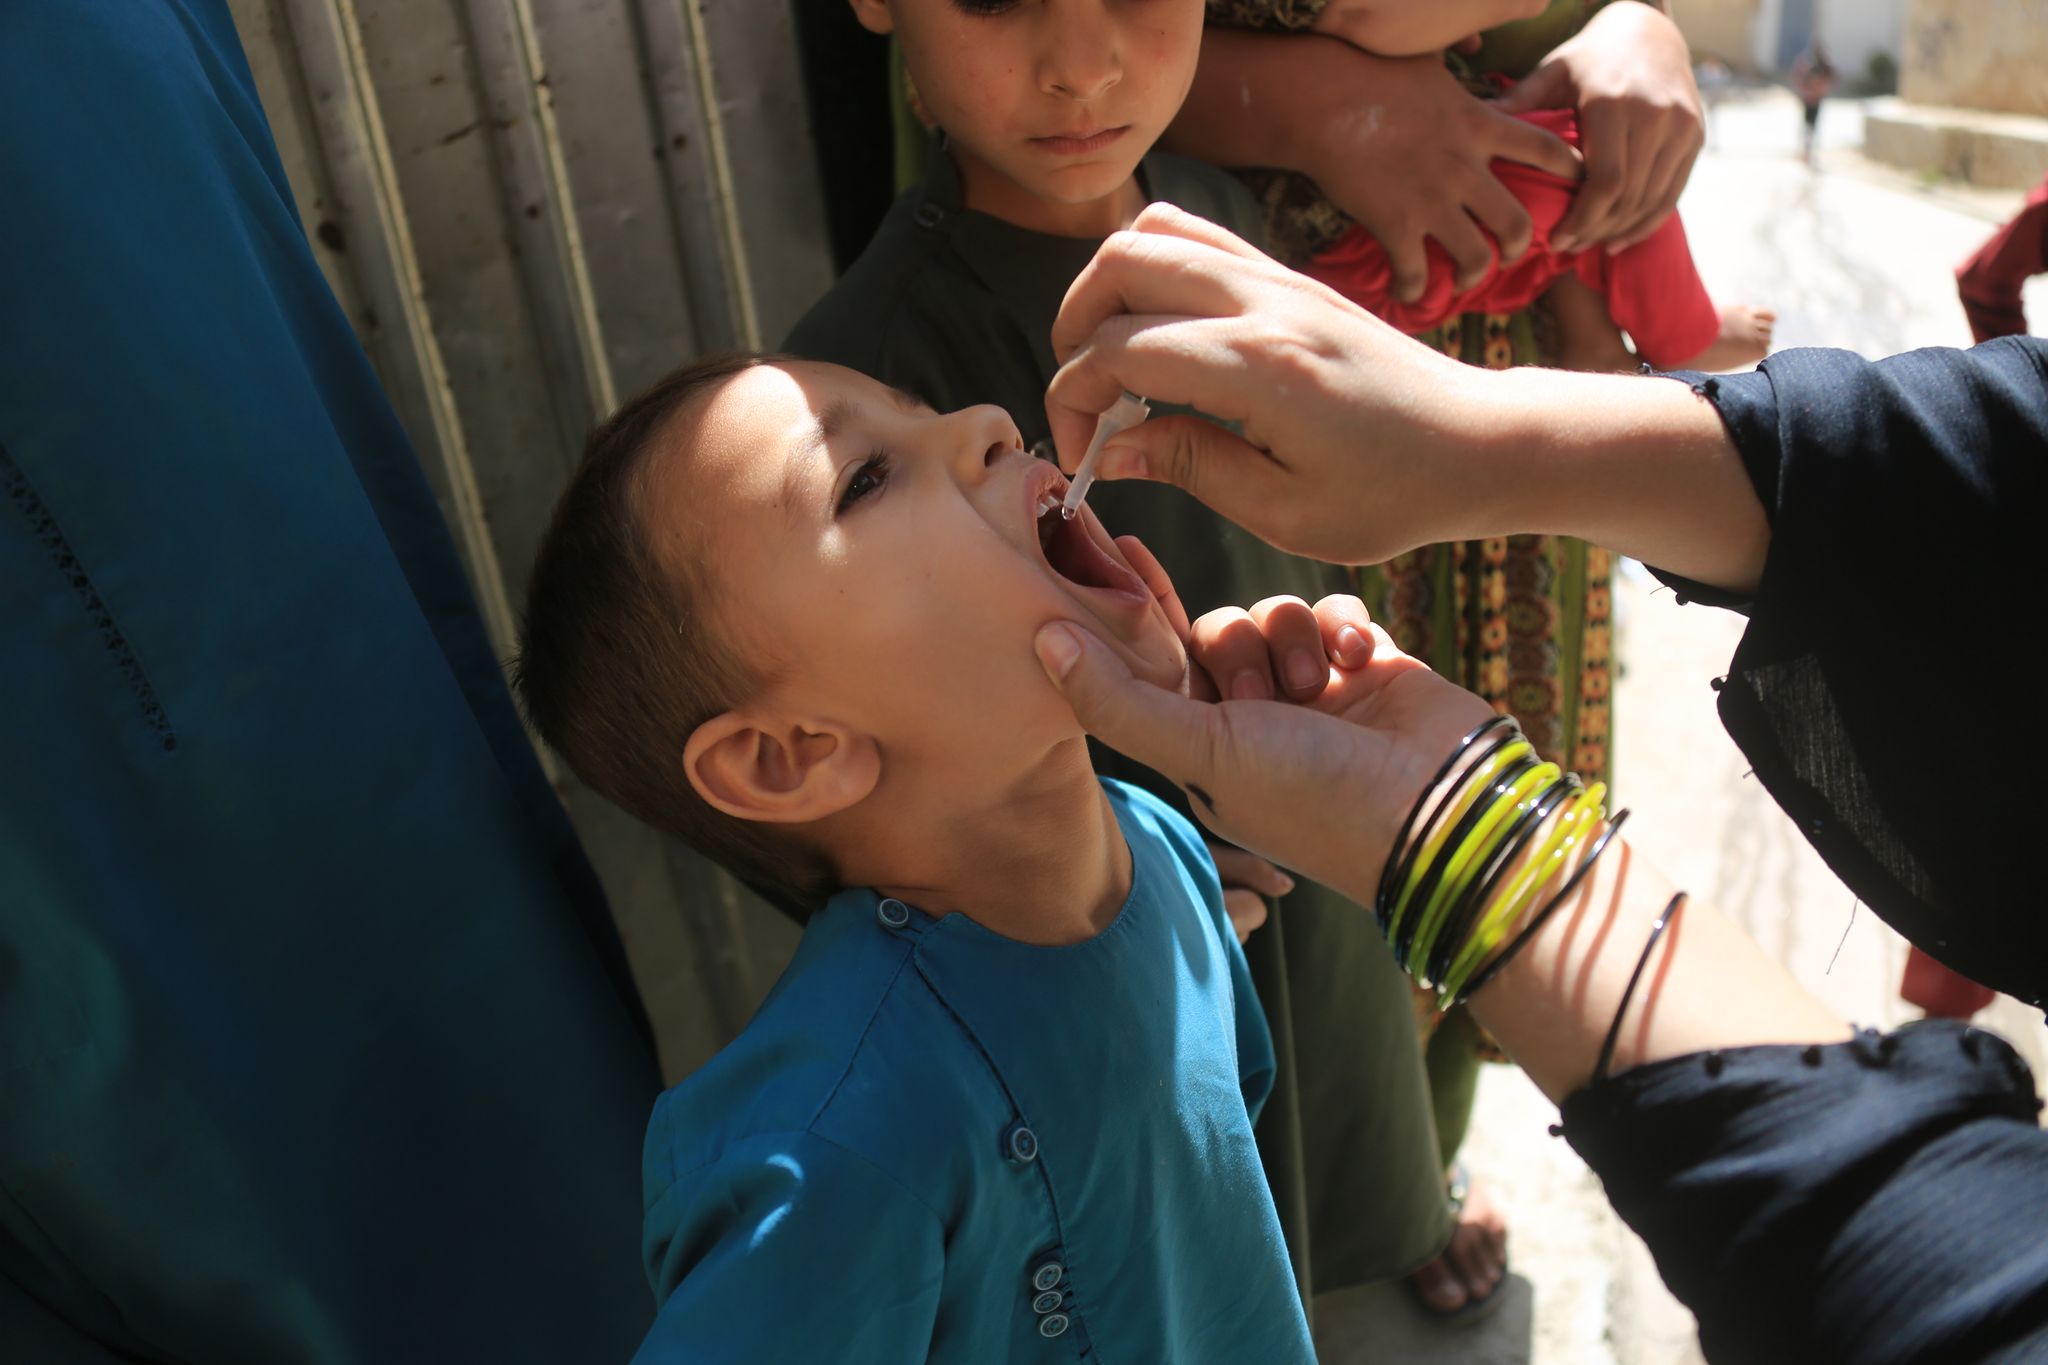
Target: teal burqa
x,y
316,1043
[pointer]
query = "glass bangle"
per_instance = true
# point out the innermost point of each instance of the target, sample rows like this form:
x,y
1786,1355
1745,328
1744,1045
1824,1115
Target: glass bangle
x,y
1514,899
1450,820
1537,920
1387,878
1480,903
1464,860
1429,876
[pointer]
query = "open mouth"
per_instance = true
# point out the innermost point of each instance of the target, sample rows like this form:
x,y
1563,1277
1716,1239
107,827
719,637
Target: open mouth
x,y
1073,554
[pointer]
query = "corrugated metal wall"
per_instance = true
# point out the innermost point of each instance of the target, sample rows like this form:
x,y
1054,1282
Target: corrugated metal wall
x,y
530,208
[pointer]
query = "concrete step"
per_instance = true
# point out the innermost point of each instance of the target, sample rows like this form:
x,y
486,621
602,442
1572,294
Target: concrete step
x,y
2008,151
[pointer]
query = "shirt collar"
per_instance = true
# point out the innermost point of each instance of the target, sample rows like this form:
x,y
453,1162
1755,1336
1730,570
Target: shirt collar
x,y
1030,271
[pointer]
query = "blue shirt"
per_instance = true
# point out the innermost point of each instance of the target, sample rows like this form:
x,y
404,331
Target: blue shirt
x,y
937,1143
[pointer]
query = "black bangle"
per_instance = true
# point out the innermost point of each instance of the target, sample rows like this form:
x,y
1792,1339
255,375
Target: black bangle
x,y
1404,857
1536,921
1498,787
1450,940
1628,992
1419,837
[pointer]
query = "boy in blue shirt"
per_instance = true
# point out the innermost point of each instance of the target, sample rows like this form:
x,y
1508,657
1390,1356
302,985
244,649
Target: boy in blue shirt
x,y
1050,111
999,1107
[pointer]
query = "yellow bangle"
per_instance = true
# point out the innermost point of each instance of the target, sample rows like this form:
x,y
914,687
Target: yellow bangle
x,y
1465,860
1472,786
1514,900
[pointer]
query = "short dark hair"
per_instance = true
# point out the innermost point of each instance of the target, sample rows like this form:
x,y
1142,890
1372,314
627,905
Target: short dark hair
x,y
619,661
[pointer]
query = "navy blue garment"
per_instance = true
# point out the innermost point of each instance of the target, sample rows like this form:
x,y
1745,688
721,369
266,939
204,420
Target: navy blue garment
x,y
937,1143
316,1043
1878,690
1882,1201
1877,1202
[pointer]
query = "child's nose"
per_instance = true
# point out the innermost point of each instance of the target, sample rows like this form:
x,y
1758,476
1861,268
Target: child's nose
x,y
1081,60
987,435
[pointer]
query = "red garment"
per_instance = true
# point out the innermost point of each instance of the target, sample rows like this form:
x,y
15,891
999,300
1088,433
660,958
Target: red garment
x,y
1990,280
1943,993
1652,290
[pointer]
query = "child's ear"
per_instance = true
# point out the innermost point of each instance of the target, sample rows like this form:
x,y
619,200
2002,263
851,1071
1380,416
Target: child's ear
x,y
874,15
755,767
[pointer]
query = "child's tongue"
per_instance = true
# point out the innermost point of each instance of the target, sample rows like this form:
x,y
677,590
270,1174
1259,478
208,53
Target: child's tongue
x,y
1074,556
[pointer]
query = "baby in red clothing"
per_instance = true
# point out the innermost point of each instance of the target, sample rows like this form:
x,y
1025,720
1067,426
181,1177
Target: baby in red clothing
x,y
1650,290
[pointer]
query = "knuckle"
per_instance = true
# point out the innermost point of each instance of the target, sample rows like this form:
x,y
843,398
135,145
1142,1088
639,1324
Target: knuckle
x,y
1183,463
1267,606
1343,603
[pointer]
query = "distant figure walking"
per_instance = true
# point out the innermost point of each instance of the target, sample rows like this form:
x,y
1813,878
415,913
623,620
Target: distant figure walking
x,y
1813,80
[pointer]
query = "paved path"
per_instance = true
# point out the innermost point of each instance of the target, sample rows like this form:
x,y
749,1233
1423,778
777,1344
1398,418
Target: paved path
x,y
1852,256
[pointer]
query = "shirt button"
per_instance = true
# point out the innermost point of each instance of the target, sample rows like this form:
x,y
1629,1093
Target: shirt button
x,y
1052,1324
928,214
893,914
1046,1302
1020,1144
1048,1275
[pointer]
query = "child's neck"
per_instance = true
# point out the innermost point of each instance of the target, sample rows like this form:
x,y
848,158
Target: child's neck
x,y
1044,862
984,189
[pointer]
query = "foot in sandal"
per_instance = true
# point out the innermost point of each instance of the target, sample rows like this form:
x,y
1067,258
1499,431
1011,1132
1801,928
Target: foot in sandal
x,y
1464,1284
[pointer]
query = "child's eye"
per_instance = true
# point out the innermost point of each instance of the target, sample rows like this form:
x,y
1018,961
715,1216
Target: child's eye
x,y
983,6
869,478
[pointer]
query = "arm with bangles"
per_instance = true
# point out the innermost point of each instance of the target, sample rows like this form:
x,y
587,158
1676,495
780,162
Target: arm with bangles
x,y
1779,1175
1783,1172
1350,786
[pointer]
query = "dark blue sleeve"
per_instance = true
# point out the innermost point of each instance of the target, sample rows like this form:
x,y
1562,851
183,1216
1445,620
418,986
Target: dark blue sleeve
x,y
1877,1202
1877,685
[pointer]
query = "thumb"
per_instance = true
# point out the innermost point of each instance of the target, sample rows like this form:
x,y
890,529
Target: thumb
x,y
1160,729
1547,87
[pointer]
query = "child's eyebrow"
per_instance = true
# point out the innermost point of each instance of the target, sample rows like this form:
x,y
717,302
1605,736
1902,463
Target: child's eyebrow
x,y
831,422
907,400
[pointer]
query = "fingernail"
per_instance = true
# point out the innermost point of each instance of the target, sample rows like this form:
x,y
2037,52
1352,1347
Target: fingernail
x,y
1250,685
1303,672
1286,883
1057,650
1122,462
1351,646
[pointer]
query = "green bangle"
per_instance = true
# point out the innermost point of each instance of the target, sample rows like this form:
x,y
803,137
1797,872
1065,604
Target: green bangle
x,y
1514,900
1470,787
1475,808
1506,853
1463,861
